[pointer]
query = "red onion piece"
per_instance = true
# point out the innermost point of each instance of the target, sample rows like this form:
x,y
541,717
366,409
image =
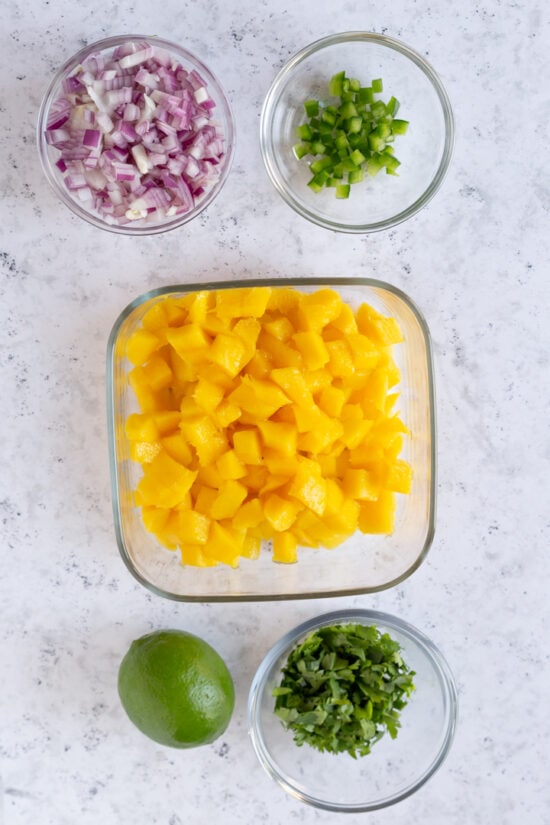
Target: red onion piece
x,y
135,135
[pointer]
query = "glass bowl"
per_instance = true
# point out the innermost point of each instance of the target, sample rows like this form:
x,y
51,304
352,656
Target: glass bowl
x,y
395,768
78,199
363,563
424,151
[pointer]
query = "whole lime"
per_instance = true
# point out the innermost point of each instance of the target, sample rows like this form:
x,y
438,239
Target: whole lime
x,y
176,689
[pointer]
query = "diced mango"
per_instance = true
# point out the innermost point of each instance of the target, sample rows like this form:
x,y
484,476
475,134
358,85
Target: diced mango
x,y
320,308
265,414
229,465
207,394
155,318
204,498
377,516
229,352
247,446
226,414
309,487
379,328
292,381
359,484
141,345
155,518
332,399
259,398
206,438
280,512
230,497
279,353
165,482
144,451
280,328
399,477
141,427
313,349
242,302
193,528
187,338
340,359
285,548
224,544
157,373
249,514
178,448
280,436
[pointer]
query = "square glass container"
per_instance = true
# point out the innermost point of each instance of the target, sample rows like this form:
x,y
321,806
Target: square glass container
x,y
363,563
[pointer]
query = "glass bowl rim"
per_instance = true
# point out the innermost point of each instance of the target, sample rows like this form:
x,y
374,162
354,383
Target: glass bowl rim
x,y
344,616
90,217
274,282
269,153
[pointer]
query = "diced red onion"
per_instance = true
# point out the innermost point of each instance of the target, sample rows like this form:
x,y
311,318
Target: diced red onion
x,y
135,134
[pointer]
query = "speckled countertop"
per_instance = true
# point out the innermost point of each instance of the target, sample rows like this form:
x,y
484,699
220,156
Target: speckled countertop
x,y
476,261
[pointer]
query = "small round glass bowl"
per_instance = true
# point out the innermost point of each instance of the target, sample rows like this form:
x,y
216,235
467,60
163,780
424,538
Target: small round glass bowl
x,y
395,768
220,116
381,201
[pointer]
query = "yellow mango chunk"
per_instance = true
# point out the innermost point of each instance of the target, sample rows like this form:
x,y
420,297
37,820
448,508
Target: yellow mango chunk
x,y
141,427
249,514
309,487
187,338
230,497
205,437
244,301
399,477
165,482
377,516
332,400
141,345
320,308
280,436
259,398
226,414
144,451
292,381
359,484
193,527
224,544
199,306
280,328
229,352
247,446
157,373
204,498
207,394
378,327
229,465
280,512
285,548
155,518
178,448
155,318
279,353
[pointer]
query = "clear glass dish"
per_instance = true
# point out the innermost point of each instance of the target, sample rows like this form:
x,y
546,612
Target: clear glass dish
x,y
395,768
425,151
49,155
362,564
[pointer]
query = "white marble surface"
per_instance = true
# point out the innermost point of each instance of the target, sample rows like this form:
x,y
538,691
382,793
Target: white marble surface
x,y
475,260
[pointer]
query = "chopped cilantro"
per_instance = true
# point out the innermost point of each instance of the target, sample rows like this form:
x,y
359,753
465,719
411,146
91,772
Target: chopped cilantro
x,y
342,688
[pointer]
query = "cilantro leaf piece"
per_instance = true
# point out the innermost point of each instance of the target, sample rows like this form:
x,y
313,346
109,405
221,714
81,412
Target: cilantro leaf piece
x,y
343,688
